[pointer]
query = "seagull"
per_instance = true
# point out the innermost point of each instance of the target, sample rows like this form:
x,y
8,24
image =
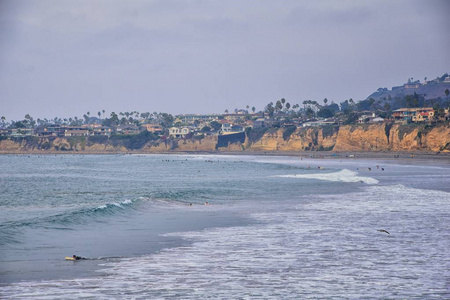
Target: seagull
x,y
382,230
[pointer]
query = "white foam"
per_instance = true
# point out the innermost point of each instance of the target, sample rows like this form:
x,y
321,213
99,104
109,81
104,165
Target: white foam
x,y
326,248
120,204
341,176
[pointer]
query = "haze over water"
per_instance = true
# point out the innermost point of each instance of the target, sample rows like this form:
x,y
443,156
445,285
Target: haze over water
x,y
275,227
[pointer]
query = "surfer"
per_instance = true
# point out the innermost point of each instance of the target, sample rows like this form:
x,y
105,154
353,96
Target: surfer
x,y
77,257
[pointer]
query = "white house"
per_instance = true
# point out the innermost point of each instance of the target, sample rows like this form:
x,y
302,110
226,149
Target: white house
x,y
178,132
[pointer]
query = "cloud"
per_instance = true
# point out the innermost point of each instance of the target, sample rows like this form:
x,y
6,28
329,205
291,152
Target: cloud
x,y
205,56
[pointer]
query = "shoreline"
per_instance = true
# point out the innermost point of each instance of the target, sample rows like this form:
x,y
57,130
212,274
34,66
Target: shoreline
x,y
391,155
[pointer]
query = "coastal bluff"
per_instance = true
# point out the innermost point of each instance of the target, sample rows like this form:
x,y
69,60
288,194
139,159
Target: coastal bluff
x,y
372,138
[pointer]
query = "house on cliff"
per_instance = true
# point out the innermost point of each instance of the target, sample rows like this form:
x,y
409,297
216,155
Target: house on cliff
x,y
407,115
154,128
179,132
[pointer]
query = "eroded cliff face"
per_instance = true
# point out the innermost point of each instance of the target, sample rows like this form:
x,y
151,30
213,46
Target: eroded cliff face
x,y
376,137
302,139
406,138
387,137
362,138
189,145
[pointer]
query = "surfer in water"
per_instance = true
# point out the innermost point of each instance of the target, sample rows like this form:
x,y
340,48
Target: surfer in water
x,y
77,257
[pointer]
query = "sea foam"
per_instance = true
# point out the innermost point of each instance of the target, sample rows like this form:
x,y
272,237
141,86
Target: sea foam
x,y
341,176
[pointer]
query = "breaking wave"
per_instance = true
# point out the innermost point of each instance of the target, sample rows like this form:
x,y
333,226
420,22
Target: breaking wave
x,y
77,216
341,176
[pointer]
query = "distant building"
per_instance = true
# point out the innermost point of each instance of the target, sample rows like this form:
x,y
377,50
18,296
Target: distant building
x,y
407,115
370,119
234,117
5,132
260,122
189,118
101,130
376,120
75,131
128,129
318,123
226,127
179,132
21,132
52,130
424,114
154,128
413,85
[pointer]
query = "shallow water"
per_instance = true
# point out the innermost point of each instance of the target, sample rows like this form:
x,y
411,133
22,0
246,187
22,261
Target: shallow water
x,y
276,227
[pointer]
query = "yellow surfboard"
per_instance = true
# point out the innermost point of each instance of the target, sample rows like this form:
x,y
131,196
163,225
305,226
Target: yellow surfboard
x,y
70,258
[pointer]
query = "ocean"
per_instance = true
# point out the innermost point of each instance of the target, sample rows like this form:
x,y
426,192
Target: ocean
x,y
223,227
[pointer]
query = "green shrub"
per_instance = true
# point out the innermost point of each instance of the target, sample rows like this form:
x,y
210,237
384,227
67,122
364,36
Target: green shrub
x,y
133,141
97,139
288,131
329,130
255,134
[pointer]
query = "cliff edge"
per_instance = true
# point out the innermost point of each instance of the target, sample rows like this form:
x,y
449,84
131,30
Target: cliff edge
x,y
375,137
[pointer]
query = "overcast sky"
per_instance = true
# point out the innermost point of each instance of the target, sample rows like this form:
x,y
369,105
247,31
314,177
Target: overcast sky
x,y
64,58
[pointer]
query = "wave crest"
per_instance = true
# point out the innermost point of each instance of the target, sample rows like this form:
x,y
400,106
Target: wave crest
x,y
341,176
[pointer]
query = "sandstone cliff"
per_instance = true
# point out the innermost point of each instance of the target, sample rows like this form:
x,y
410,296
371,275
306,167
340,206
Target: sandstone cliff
x,y
376,137
302,139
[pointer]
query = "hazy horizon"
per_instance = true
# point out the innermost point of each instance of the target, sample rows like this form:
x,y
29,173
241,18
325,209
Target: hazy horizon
x,y
64,58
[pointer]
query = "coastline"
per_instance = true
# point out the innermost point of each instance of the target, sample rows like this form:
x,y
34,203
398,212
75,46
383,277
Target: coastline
x,y
389,155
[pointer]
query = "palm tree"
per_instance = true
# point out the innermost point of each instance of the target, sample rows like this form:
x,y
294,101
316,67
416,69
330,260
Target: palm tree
x,y
446,95
325,101
278,105
306,103
288,105
253,109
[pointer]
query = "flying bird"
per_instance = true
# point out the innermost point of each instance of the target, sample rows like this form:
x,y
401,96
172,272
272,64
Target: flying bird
x,y
382,230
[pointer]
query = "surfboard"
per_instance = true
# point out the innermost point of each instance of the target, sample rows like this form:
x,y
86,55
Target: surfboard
x,y
70,258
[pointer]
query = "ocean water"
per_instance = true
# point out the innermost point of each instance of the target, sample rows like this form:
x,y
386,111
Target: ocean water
x,y
223,227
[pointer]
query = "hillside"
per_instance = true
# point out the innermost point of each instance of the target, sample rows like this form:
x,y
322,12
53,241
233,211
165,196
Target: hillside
x,y
432,91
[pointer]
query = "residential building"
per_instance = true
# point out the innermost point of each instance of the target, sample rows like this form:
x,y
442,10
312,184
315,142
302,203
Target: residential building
x,y
52,130
234,117
128,129
226,127
75,131
370,119
403,115
318,123
101,130
154,128
406,115
179,132
189,118
21,132
424,114
5,132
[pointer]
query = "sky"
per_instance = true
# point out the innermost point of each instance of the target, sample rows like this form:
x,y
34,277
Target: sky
x,y
65,58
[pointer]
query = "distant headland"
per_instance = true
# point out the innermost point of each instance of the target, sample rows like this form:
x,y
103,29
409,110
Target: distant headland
x,y
411,117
